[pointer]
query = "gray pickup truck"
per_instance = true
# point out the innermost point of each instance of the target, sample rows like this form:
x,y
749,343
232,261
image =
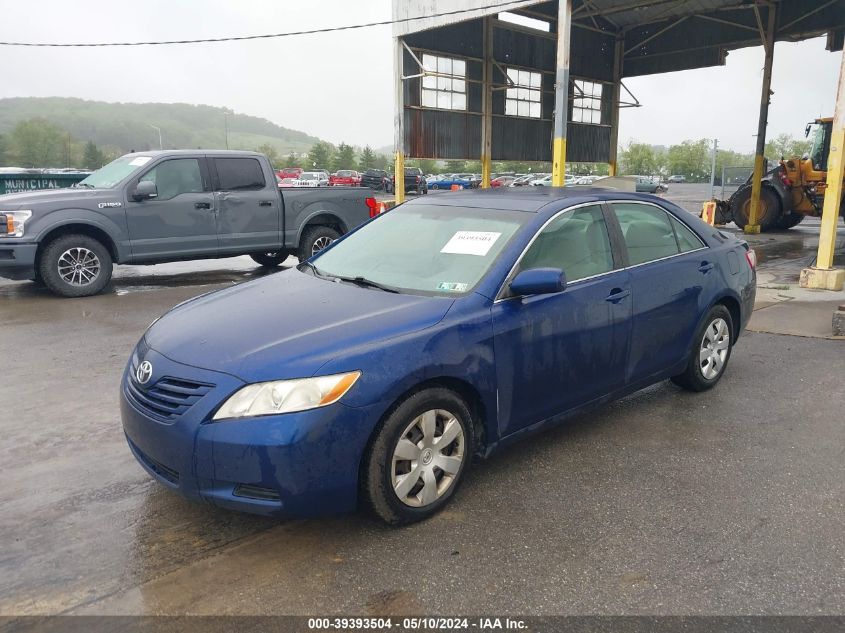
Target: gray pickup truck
x,y
153,207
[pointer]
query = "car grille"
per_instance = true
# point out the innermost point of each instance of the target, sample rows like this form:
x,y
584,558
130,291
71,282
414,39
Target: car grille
x,y
167,398
157,467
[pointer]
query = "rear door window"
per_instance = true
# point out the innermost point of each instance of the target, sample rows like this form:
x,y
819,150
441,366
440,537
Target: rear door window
x,y
647,230
687,240
239,174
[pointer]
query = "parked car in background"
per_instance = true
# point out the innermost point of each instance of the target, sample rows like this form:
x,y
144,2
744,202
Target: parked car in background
x,y
374,373
474,179
289,172
288,182
446,181
347,177
414,181
377,179
542,181
313,179
676,178
162,206
646,184
585,180
522,181
502,181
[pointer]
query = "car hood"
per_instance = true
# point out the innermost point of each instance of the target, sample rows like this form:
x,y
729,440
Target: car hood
x,y
286,325
14,201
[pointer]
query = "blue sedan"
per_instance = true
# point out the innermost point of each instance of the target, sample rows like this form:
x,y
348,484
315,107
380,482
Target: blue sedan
x,y
441,330
447,181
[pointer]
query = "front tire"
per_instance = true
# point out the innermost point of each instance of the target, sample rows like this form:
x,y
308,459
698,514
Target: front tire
x,y
788,220
419,457
770,208
75,266
314,240
270,259
712,350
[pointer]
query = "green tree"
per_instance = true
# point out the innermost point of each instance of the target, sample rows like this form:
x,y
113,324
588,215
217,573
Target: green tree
x,y
320,156
427,165
691,159
292,160
92,157
344,158
786,146
639,159
3,151
368,159
38,143
271,153
382,161
455,166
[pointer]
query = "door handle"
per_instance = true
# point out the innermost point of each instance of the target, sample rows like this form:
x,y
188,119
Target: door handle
x,y
617,294
706,267
202,205
265,203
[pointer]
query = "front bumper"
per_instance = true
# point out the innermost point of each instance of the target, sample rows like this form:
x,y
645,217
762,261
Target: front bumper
x,y
291,465
17,260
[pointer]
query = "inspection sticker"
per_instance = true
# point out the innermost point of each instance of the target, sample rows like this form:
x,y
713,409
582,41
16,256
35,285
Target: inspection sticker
x,y
451,287
141,160
471,243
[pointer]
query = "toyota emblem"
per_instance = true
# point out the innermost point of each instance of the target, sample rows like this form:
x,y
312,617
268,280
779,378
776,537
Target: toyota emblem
x,y
144,372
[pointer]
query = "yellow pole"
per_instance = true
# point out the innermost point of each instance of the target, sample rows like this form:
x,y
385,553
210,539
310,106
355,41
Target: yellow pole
x,y
835,172
399,178
399,122
564,24
753,225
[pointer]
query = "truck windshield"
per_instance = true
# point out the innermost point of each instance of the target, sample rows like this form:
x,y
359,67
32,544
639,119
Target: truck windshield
x,y
451,250
108,176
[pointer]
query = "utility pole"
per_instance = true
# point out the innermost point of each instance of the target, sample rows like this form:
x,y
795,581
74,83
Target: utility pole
x,y
713,168
158,129
226,127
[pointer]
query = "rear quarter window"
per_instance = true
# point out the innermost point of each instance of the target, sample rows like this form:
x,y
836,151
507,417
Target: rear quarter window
x,y
239,174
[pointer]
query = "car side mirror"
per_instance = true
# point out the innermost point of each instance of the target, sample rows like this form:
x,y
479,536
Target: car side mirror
x,y
538,281
145,190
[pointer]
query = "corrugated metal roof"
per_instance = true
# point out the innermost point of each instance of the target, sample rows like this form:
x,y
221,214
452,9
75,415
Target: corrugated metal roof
x,y
626,13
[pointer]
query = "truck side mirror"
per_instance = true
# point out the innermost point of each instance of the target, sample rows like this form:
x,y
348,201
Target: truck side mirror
x,y
145,190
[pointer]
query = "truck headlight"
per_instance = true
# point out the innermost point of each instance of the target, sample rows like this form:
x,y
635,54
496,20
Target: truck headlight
x,y
12,222
286,396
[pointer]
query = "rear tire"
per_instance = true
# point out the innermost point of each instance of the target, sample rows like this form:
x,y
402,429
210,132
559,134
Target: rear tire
x,y
426,442
315,239
75,266
710,353
770,208
270,259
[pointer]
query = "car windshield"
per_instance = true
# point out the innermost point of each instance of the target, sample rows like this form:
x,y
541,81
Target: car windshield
x,y
110,175
451,250
345,174
307,176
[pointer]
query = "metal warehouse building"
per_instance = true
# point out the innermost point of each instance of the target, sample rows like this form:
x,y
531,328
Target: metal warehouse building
x,y
471,84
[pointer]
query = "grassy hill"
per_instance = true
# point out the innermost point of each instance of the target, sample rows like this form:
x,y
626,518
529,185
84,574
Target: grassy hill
x,y
126,126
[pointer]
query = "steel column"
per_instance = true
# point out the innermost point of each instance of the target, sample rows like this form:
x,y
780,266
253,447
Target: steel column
x,y
765,96
618,61
564,27
487,104
835,173
399,121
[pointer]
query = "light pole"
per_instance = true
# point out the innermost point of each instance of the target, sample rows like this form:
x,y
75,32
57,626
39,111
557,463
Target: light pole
x,y
160,146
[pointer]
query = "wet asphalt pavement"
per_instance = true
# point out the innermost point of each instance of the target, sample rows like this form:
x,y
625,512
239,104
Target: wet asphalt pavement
x,y
730,502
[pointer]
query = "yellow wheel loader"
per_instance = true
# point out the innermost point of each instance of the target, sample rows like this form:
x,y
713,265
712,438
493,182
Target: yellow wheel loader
x,y
790,192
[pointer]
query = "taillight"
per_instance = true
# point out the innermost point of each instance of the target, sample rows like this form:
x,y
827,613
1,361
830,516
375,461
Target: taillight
x,y
372,205
751,258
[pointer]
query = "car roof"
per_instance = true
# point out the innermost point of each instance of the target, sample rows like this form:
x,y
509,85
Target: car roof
x,y
529,199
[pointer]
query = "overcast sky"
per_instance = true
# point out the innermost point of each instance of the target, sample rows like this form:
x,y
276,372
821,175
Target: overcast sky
x,y
338,86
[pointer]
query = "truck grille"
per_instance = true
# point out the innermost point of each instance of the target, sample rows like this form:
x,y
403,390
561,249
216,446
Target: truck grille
x,y
166,399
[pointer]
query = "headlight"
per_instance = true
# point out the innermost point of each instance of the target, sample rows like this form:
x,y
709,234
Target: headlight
x,y
286,396
12,223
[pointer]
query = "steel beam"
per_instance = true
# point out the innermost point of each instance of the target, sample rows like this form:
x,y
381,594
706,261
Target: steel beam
x,y
824,275
399,121
753,225
487,104
618,61
564,28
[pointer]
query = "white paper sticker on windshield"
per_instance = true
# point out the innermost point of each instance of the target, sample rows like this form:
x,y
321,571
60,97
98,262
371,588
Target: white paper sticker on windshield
x,y
471,243
140,160
446,286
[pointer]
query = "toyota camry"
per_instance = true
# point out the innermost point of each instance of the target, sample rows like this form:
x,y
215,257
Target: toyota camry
x,y
439,332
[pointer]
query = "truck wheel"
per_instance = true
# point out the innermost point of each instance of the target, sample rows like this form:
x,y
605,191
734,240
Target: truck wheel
x,y
770,210
314,240
75,266
788,220
270,259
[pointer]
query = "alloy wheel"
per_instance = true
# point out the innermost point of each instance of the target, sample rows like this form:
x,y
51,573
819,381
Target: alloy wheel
x,y
320,243
79,266
427,458
714,348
